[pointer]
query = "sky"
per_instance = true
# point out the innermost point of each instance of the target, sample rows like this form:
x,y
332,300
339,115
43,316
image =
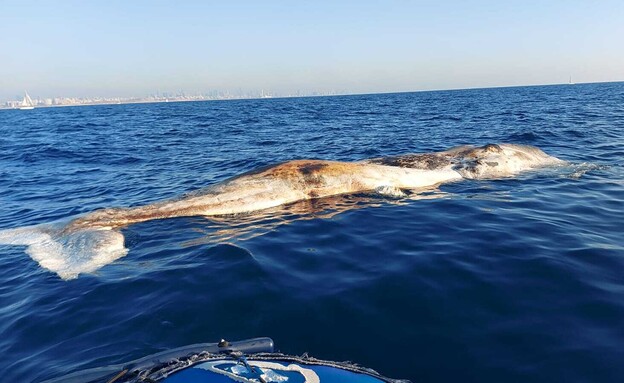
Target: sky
x,y
135,48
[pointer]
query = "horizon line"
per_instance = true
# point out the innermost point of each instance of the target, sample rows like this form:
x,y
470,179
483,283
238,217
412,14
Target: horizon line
x,y
140,100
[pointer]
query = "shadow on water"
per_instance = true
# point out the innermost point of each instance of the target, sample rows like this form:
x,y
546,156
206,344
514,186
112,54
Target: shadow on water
x,y
243,227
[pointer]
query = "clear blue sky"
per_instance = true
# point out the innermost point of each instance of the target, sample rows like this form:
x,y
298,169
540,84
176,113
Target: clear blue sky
x,y
126,48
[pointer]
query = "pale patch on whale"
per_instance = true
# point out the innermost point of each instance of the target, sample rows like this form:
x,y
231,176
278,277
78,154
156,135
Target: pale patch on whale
x,y
67,255
93,240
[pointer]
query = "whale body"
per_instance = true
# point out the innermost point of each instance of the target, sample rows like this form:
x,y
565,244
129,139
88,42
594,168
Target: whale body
x,y
90,241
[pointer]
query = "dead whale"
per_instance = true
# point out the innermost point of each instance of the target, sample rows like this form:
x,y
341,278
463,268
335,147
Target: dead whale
x,y
93,240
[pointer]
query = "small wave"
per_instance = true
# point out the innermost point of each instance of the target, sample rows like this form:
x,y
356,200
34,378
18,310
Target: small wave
x,y
574,133
267,143
525,137
48,152
126,160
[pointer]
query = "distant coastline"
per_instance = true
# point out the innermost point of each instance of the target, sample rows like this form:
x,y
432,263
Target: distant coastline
x,y
77,101
214,96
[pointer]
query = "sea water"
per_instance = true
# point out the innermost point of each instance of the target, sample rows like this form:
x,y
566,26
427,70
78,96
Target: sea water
x,y
519,279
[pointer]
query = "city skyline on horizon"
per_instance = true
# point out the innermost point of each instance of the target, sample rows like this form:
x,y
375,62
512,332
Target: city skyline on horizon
x,y
215,95
269,92
118,49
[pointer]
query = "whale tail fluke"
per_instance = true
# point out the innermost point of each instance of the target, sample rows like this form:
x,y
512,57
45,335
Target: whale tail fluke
x,y
68,254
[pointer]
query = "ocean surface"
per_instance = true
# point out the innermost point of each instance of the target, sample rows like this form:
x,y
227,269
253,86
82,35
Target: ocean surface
x,y
512,280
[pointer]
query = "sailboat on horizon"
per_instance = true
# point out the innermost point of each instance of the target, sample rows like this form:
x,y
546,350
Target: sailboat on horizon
x,y
570,83
27,103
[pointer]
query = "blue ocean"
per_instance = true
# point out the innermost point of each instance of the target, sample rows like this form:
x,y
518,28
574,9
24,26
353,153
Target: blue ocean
x,y
511,280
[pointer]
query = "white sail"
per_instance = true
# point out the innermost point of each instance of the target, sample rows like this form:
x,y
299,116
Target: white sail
x,y
27,102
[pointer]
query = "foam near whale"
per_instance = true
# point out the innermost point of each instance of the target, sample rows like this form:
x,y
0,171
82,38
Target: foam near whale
x,y
93,240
